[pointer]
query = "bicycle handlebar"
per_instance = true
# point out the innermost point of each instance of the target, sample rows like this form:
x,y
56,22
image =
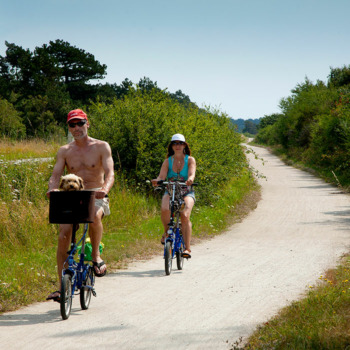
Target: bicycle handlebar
x,y
164,183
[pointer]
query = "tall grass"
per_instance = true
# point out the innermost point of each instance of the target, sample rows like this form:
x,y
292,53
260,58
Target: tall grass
x,y
36,148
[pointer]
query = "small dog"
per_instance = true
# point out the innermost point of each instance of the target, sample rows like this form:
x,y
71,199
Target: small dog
x,y
71,182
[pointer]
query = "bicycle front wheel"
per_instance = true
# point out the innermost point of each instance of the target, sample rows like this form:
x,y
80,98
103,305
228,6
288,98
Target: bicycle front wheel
x,y
66,296
179,258
168,258
86,290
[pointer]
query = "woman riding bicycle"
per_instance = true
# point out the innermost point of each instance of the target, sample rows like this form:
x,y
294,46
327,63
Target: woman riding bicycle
x,y
179,165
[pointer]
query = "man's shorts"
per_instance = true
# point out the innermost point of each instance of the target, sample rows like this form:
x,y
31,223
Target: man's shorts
x,y
104,204
101,203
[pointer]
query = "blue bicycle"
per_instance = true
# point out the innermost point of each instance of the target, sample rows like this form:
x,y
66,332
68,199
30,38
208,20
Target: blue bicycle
x,y
174,244
77,275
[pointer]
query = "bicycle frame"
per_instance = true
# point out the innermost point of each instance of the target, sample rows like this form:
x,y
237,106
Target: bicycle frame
x,y
173,232
77,270
175,237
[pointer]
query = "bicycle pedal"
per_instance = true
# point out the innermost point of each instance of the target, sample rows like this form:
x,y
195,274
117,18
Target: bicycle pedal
x,y
94,292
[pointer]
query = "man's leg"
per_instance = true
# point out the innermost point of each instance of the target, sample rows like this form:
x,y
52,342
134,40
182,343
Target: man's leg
x,y
64,240
186,223
95,233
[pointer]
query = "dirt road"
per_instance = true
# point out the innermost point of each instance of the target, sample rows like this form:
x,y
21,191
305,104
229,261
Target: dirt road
x,y
232,283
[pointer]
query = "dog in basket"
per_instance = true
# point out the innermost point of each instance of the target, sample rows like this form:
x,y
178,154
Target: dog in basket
x,y
71,182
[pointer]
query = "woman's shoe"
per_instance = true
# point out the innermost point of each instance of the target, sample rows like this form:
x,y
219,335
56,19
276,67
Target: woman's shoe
x,y
163,238
186,254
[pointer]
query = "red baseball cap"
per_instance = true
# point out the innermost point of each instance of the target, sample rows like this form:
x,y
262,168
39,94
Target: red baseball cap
x,y
76,114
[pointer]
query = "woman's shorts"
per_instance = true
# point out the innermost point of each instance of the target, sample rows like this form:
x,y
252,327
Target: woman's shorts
x,y
188,194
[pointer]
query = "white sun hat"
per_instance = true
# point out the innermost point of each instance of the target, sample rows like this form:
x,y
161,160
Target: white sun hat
x,y
178,137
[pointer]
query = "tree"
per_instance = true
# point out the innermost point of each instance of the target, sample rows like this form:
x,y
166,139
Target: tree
x,y
56,64
250,127
147,85
180,97
269,120
339,76
10,121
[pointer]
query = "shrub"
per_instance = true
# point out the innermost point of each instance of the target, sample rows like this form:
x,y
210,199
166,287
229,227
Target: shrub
x,y
139,129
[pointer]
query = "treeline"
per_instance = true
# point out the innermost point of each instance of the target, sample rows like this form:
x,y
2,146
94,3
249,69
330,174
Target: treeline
x,y
249,126
314,124
38,87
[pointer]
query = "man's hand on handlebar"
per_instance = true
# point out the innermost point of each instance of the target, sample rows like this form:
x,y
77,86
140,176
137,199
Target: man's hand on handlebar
x,y
49,192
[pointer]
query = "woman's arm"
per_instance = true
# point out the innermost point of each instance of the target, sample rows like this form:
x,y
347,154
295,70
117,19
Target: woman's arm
x,y
191,171
163,172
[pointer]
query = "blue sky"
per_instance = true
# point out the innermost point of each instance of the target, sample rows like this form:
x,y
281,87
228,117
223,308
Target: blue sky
x,y
238,56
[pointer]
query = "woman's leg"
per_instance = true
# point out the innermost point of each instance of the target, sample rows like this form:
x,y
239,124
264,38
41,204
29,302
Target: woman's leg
x,y
165,213
186,223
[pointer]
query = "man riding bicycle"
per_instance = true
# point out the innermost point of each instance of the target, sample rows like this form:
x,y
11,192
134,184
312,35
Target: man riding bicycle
x,y
91,159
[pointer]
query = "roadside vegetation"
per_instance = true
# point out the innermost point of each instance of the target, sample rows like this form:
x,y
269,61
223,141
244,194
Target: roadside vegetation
x,y
313,128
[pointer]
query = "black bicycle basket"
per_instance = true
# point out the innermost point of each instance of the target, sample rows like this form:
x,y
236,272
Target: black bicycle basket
x,y
72,207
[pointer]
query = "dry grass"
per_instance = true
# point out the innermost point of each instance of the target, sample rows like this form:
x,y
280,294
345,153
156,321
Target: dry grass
x,y
10,150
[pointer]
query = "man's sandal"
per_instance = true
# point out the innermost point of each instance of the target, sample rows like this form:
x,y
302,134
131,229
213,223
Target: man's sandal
x,y
55,296
99,265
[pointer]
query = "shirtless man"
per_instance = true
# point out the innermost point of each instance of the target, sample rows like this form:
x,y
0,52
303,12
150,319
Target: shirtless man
x,y
91,159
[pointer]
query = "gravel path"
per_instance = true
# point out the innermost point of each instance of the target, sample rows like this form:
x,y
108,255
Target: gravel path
x,y
232,283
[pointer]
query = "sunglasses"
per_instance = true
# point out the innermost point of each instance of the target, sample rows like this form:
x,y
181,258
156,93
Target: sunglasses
x,y
81,123
178,143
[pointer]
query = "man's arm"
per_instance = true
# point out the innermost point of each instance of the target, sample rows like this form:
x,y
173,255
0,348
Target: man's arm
x,y
57,172
108,167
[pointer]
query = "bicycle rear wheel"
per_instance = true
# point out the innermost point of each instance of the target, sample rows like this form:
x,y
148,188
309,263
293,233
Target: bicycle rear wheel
x,y
168,258
66,296
86,289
